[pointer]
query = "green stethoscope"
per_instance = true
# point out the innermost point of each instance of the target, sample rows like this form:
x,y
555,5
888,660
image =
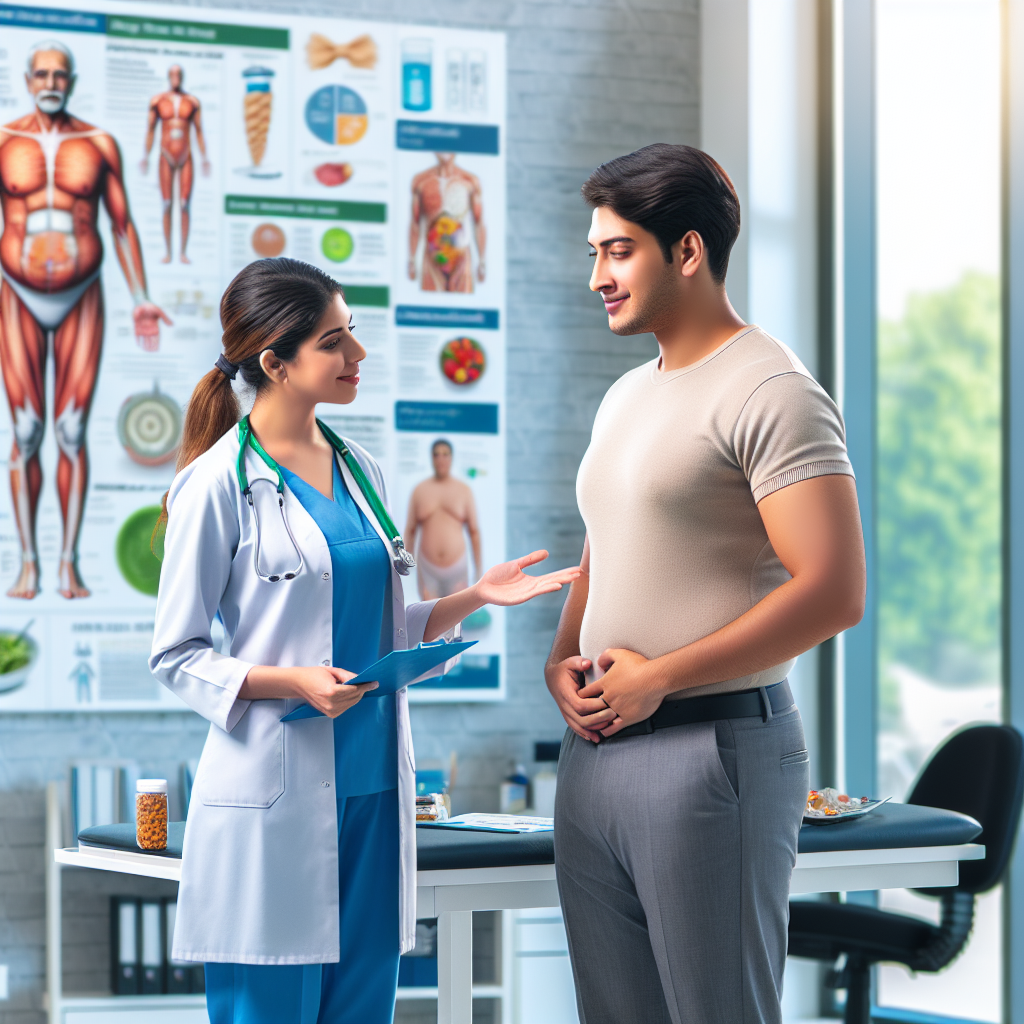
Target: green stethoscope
x,y
403,559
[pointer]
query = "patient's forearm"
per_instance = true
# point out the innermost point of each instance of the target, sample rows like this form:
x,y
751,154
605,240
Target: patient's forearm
x,y
794,618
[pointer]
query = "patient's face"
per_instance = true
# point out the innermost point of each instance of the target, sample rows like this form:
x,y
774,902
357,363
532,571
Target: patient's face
x,y
638,287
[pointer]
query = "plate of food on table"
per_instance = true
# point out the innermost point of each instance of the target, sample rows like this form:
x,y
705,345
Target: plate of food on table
x,y
827,806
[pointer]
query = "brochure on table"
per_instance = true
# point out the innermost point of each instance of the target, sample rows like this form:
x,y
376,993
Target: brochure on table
x,y
373,150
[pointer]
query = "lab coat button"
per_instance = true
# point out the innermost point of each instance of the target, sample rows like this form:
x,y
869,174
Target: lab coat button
x,y
325,662
326,576
326,785
401,632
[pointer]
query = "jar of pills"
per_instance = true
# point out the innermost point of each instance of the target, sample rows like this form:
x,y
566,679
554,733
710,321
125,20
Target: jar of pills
x,y
151,814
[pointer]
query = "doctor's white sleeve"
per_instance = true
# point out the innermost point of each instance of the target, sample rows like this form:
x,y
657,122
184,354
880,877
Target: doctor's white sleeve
x,y
416,615
202,536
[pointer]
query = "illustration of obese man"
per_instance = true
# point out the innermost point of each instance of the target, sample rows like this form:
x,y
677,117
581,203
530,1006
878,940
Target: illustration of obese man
x,y
441,511
54,170
177,112
444,197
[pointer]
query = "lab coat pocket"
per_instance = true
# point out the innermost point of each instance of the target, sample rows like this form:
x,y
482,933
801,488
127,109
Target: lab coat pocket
x,y
245,767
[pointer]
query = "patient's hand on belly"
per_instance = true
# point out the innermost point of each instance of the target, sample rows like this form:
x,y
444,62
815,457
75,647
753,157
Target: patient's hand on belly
x,y
629,687
584,716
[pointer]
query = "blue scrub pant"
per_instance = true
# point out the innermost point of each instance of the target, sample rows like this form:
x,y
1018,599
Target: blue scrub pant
x,y
360,988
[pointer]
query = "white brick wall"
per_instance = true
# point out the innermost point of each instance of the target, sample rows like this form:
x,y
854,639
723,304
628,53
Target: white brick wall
x,y
588,80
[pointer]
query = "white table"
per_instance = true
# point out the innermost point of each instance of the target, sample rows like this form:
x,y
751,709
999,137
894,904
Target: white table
x,y
452,896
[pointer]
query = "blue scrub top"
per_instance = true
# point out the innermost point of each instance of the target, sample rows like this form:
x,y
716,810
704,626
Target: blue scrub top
x,y
365,736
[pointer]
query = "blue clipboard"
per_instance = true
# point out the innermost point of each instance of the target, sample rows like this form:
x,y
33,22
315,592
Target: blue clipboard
x,y
393,671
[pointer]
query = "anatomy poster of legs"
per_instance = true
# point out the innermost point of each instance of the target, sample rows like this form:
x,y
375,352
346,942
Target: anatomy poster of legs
x,y
145,158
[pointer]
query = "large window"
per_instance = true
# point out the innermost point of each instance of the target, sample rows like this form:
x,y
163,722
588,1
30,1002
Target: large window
x,y
938,426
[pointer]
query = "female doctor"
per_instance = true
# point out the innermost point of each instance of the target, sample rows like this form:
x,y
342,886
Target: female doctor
x,y
298,884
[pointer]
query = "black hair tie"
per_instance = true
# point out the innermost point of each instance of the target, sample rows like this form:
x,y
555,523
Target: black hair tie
x,y
228,368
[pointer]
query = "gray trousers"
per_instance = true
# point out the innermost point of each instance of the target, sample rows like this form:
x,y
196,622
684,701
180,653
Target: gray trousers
x,y
674,853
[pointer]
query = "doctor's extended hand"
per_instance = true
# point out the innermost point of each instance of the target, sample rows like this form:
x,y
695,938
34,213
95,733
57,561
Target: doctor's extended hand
x,y
504,584
629,687
321,686
507,584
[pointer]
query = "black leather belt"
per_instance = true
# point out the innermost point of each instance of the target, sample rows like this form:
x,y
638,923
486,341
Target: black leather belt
x,y
763,703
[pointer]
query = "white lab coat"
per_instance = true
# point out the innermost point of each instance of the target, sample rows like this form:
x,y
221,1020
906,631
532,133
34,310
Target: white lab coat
x,y
259,880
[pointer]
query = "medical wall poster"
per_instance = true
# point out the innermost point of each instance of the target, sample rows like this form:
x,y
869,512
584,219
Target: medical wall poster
x,y
144,160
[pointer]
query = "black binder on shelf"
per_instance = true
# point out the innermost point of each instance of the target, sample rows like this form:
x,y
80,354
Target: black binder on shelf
x,y
151,919
179,973
181,976
125,943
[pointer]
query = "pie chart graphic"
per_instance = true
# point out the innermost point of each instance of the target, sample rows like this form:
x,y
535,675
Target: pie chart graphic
x,y
337,114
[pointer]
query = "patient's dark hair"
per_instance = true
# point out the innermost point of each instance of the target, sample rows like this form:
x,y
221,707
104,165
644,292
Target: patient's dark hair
x,y
669,190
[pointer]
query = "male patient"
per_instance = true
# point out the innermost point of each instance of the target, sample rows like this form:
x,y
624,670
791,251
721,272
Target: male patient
x,y
723,539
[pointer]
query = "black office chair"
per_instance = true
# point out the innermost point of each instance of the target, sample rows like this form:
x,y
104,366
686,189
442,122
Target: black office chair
x,y
977,771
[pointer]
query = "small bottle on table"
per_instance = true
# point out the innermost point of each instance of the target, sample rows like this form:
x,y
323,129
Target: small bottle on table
x,y
151,814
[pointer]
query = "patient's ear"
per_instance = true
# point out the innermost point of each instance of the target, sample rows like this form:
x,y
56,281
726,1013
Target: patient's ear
x,y
691,253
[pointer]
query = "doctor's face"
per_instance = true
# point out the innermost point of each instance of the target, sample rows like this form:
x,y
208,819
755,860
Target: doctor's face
x,y
326,366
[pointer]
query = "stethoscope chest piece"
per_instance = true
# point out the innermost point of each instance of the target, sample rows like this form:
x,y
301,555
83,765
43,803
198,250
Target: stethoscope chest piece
x,y
403,559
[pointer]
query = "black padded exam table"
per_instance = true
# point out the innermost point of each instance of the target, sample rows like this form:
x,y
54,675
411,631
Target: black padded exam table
x,y
897,846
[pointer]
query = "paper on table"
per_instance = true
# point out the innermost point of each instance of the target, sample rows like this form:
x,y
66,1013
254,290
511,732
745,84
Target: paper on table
x,y
495,823
395,670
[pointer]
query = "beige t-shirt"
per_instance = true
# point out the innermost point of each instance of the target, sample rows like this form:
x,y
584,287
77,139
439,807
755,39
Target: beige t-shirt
x,y
668,490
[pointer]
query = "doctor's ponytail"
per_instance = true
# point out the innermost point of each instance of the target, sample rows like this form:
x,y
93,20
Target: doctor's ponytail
x,y
271,304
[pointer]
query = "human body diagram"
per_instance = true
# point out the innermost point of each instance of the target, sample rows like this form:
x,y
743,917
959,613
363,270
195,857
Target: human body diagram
x,y
444,199
177,113
441,511
54,171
